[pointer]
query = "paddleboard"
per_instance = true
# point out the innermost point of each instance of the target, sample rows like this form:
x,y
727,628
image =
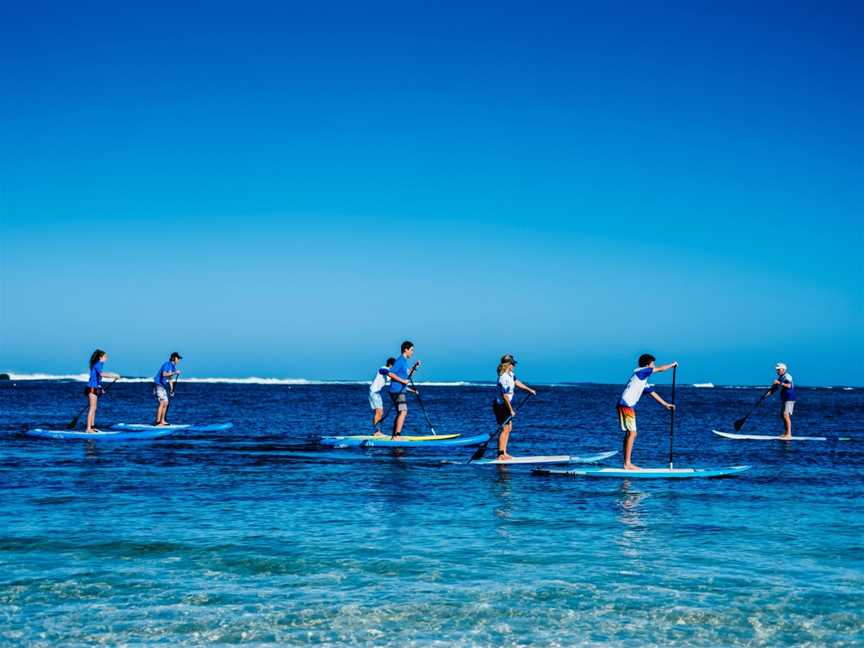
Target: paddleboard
x,y
549,459
368,441
645,473
191,427
763,437
104,435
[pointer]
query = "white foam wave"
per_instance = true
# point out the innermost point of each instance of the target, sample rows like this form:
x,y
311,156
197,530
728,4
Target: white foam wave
x,y
83,377
250,380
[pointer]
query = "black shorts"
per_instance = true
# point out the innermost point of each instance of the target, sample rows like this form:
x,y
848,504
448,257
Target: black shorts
x,y
501,412
400,401
98,391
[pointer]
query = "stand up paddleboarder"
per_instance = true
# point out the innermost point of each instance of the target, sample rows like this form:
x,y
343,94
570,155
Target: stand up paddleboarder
x,y
503,403
784,383
400,381
94,389
379,382
636,386
163,389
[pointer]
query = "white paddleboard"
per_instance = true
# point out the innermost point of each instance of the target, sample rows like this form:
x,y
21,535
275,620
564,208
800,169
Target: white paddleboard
x,y
549,459
764,437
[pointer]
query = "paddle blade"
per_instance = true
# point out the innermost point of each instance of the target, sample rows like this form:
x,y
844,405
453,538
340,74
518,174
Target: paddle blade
x,y
479,452
71,425
739,424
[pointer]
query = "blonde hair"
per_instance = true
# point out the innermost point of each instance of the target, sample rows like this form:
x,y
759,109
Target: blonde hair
x,y
503,367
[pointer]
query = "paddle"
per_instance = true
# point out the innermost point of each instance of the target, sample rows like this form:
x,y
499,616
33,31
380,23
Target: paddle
x,y
74,422
740,422
479,452
420,400
672,416
174,380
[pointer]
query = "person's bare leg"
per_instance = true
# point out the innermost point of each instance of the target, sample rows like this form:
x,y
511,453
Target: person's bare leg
x,y
376,419
629,439
165,412
160,412
398,422
91,413
787,424
503,439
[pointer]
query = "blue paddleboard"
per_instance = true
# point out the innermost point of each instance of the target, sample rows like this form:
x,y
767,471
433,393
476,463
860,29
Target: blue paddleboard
x,y
105,435
645,473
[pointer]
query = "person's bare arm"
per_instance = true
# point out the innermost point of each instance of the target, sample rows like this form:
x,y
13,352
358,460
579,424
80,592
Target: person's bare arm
x,y
507,401
665,367
525,387
659,399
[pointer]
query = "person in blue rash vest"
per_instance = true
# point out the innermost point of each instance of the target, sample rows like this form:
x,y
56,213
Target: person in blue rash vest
x,y
400,379
163,387
379,382
787,397
94,385
636,386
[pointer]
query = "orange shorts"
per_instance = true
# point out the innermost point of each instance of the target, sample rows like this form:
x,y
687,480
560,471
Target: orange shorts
x,y
627,418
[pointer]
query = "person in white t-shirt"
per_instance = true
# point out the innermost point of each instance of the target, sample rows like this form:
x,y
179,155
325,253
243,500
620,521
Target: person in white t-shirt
x,y
636,386
503,403
379,382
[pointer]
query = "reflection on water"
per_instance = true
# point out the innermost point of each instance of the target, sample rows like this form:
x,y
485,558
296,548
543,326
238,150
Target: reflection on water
x,y
502,492
632,515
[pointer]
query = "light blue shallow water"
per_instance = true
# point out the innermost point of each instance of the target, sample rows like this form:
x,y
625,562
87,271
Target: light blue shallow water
x,y
254,535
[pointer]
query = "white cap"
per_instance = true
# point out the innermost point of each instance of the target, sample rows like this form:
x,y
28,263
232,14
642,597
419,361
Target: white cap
x,y
780,365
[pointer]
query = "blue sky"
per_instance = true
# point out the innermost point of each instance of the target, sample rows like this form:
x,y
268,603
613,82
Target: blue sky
x,y
290,189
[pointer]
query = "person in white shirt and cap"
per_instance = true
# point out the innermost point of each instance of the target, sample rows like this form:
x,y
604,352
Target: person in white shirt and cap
x,y
785,384
503,403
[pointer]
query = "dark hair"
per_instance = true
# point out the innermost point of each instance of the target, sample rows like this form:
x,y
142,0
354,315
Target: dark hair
x,y
407,344
96,357
645,359
175,356
390,362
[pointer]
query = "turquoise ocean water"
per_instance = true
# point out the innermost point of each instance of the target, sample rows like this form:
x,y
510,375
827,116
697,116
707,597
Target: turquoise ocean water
x,y
255,535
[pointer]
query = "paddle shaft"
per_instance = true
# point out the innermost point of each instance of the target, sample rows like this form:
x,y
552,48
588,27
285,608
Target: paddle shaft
x,y
174,380
672,416
420,400
479,452
74,420
740,422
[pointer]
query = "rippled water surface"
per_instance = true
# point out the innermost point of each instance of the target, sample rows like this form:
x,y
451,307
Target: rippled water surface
x,y
256,535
